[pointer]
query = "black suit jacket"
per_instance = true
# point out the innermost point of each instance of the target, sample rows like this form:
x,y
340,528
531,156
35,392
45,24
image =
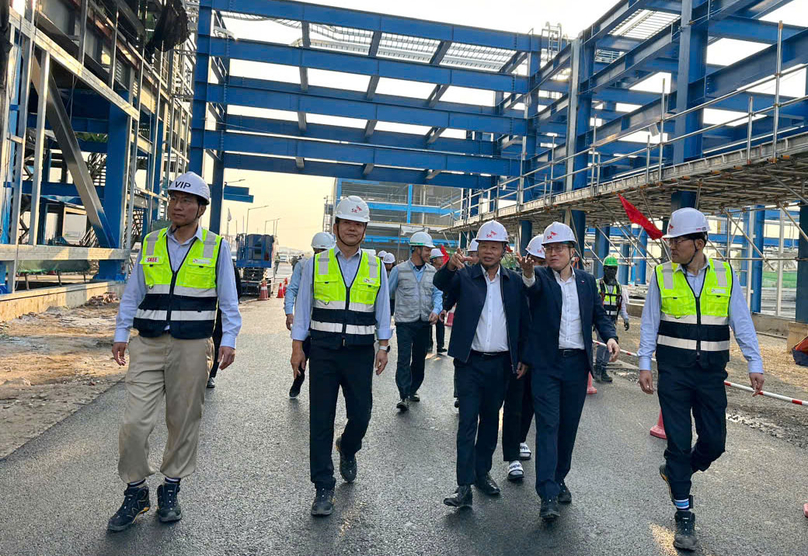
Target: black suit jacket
x,y
545,301
467,286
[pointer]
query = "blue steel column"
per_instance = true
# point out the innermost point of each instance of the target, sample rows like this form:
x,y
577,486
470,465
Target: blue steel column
x,y
692,66
579,226
757,266
580,112
409,203
199,107
802,269
641,264
217,194
601,249
525,235
622,273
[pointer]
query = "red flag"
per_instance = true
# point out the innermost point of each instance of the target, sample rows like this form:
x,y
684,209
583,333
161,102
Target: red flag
x,y
445,254
640,219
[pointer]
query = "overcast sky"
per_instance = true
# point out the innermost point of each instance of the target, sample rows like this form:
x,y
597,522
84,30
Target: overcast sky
x,y
298,200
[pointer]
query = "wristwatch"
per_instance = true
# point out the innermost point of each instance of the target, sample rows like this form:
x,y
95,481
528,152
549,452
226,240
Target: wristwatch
x,y
385,348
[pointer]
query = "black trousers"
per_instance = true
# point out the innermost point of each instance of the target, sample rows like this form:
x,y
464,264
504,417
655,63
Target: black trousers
x,y
217,342
683,390
558,400
512,418
440,334
352,369
527,407
481,386
412,339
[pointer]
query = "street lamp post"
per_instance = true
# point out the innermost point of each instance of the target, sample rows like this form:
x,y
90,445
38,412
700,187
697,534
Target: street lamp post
x,y
247,225
274,226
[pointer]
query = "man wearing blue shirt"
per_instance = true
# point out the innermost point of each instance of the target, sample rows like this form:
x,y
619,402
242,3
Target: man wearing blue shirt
x,y
182,275
319,243
692,303
418,304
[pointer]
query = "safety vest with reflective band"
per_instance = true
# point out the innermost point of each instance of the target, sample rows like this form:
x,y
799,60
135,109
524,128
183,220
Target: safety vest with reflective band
x,y
344,315
694,329
184,301
612,298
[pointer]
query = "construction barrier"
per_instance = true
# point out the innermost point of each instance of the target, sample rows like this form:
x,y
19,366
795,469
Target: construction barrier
x,y
263,293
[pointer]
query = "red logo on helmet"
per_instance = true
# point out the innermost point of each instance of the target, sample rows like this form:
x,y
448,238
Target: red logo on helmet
x,y
356,209
491,233
551,235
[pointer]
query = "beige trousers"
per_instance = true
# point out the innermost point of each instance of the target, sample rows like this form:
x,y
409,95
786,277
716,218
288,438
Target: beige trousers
x,y
176,370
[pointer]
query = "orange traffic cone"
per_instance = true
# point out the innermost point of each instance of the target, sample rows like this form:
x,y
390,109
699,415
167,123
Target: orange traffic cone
x,y
658,430
805,510
285,282
263,294
281,291
590,389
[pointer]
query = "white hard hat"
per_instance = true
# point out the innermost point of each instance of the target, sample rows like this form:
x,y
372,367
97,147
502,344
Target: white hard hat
x,y
389,258
473,246
421,239
381,254
322,240
353,208
686,221
192,183
557,232
536,248
492,231
435,253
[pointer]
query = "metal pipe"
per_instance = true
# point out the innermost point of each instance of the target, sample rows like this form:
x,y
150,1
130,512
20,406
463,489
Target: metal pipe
x,y
130,209
39,147
749,241
777,78
749,130
663,109
779,306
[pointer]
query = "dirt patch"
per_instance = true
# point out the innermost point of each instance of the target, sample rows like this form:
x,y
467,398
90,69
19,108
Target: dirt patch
x,y
50,365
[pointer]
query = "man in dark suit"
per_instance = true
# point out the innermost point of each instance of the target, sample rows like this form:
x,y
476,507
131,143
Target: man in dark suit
x,y
491,322
567,303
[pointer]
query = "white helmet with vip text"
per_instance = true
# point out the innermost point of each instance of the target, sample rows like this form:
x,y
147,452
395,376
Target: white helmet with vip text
x,y
536,248
473,246
436,254
686,221
421,239
353,208
492,231
557,232
322,240
389,258
192,183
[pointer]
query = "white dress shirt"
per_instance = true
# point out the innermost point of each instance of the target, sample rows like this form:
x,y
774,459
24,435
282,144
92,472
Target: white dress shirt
x,y
492,329
570,333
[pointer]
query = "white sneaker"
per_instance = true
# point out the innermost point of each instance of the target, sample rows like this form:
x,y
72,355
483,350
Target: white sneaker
x,y
524,451
515,471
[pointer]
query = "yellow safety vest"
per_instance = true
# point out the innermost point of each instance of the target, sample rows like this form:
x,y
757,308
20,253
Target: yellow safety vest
x,y
694,328
184,301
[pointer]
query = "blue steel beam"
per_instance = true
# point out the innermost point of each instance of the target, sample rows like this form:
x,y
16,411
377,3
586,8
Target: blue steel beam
x,y
365,110
752,30
357,153
256,51
692,66
353,171
299,11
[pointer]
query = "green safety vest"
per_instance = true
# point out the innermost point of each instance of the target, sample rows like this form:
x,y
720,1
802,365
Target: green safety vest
x,y
694,329
185,301
342,314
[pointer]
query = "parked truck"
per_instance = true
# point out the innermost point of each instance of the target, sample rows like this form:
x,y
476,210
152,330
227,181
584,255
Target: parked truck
x,y
254,259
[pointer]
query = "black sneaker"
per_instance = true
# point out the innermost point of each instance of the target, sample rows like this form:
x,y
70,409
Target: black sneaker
x,y
415,397
597,376
604,377
323,502
462,497
565,496
442,350
549,509
211,382
135,502
487,485
168,508
403,405
347,467
294,391
685,537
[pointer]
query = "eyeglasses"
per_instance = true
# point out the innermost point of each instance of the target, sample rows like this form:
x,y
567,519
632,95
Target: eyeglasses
x,y
181,201
555,248
677,240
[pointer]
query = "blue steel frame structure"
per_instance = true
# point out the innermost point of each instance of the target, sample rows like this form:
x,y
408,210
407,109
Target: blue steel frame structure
x,y
552,120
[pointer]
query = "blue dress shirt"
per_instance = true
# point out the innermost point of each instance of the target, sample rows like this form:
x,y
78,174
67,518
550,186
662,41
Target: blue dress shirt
x,y
437,295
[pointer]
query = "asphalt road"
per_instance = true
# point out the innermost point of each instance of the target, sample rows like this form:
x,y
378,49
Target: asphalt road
x,y
251,493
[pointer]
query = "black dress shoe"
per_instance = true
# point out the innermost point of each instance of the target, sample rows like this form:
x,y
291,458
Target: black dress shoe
x,y
347,467
487,485
549,509
403,405
685,537
565,496
168,508
462,497
415,398
604,377
294,391
323,502
135,502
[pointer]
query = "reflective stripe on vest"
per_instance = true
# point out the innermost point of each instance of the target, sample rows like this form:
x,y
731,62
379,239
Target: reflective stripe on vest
x,y
612,298
342,314
694,328
185,301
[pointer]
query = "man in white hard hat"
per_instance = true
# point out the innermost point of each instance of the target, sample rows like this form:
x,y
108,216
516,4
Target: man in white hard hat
x,y
182,274
389,262
473,255
436,259
418,304
487,343
567,304
343,305
690,307
319,243
535,251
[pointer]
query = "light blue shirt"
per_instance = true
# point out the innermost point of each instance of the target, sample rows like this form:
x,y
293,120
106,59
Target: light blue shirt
x,y
135,290
740,319
348,267
437,295
291,289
